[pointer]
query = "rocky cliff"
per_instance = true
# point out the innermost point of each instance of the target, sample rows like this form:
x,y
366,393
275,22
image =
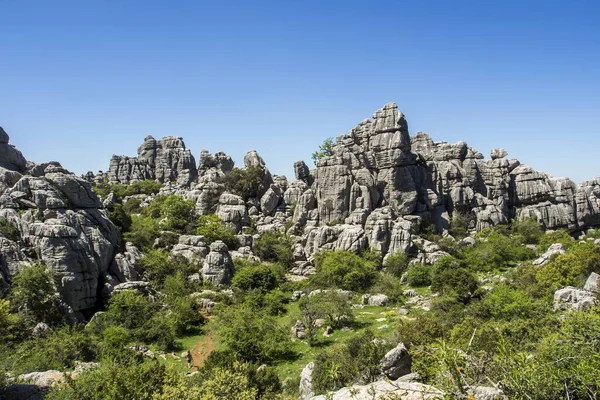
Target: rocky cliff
x,y
57,220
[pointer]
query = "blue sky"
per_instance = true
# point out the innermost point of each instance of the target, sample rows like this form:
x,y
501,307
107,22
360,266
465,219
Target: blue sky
x,y
82,80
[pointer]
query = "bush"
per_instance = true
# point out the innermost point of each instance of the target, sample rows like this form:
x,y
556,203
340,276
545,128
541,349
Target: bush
x,y
120,218
252,336
246,183
331,306
424,329
9,231
115,380
213,228
33,293
498,251
418,275
560,236
344,364
144,231
178,213
261,277
157,265
571,268
58,349
275,247
459,283
529,230
345,270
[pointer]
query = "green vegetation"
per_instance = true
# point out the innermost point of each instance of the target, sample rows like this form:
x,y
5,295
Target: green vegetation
x,y
344,270
275,247
246,182
148,187
325,150
9,231
213,228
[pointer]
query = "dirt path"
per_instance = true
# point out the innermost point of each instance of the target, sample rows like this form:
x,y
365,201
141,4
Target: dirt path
x,y
203,348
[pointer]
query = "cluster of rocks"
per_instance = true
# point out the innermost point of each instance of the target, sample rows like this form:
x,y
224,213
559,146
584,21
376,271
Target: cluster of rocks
x,y
60,222
572,298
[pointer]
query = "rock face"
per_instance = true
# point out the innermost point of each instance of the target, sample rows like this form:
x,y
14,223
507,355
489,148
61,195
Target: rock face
x,y
60,223
165,160
385,389
306,385
218,266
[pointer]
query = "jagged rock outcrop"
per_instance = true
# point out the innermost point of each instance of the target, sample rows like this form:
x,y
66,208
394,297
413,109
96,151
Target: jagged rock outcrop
x,y
165,160
126,266
218,265
62,224
190,247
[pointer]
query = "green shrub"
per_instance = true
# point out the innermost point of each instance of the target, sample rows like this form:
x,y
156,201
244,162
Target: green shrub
x,y
9,231
157,265
213,228
261,277
528,229
325,150
418,275
253,337
144,231
120,218
424,329
459,283
178,213
33,293
345,270
115,380
275,247
247,182
341,365
571,268
58,349
560,236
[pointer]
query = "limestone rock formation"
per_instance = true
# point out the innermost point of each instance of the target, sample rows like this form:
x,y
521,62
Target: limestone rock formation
x,y
165,160
573,298
218,265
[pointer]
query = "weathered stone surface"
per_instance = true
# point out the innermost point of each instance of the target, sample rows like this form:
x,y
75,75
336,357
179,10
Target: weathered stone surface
x,y
218,265
591,284
63,222
301,171
125,266
10,158
554,250
44,379
232,210
306,382
191,247
487,393
385,389
380,300
573,298
396,363
165,160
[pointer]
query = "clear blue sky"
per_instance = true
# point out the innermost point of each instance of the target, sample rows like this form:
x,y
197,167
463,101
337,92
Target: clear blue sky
x,y
82,80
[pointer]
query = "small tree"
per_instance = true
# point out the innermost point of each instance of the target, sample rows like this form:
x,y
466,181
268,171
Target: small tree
x,y
214,228
34,294
325,150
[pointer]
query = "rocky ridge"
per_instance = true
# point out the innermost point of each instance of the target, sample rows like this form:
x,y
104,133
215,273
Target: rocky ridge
x,y
377,189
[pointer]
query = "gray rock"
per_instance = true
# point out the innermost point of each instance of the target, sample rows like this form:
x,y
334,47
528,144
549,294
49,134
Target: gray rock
x,y
306,382
44,379
498,153
232,210
384,389
487,393
301,171
573,298
299,330
218,265
591,284
554,250
380,300
125,266
396,363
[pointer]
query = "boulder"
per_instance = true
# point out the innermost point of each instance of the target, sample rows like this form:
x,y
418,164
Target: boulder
x,y
218,265
554,250
573,298
380,300
306,390
591,284
396,363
